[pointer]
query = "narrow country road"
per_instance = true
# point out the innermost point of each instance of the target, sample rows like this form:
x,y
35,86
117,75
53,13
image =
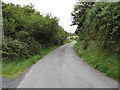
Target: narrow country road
x,y
62,68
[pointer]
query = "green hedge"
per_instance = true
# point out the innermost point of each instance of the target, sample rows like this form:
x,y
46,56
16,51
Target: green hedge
x,y
27,31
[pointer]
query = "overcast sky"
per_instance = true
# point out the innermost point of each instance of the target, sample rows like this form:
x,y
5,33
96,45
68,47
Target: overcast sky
x,y
59,8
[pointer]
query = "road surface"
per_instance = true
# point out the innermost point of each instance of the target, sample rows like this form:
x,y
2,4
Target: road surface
x,y
62,68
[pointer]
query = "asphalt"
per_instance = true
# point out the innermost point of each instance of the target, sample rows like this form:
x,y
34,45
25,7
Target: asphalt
x,y
62,68
14,82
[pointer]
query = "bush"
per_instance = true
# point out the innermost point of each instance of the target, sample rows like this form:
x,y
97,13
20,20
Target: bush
x,y
100,23
26,30
13,49
34,48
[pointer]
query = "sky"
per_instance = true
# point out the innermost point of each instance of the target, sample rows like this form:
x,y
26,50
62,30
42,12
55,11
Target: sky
x,y
60,8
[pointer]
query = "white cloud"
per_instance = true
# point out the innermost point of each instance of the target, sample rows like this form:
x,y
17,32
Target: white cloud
x,y
59,8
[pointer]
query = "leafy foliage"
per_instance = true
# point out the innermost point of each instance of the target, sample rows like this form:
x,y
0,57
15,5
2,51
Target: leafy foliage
x,y
101,23
99,35
26,31
79,13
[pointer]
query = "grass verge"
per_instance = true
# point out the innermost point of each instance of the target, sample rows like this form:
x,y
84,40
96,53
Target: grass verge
x,y
14,69
100,59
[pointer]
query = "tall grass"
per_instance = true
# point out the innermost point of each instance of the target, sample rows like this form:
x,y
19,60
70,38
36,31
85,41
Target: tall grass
x,y
101,59
15,68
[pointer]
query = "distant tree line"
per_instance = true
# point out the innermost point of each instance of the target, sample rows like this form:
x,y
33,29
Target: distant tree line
x,y
26,31
98,23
